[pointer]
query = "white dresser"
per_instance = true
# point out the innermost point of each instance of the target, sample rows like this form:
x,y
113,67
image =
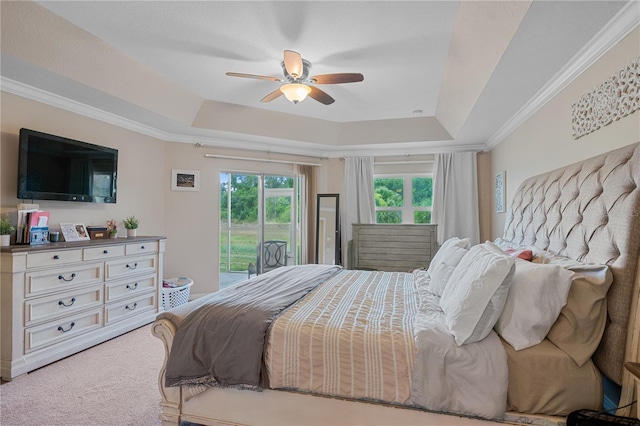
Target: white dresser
x,y
61,298
393,247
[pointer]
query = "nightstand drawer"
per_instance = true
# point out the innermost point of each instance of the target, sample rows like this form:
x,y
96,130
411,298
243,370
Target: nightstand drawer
x,y
130,266
50,307
107,252
128,288
52,258
53,332
135,306
61,279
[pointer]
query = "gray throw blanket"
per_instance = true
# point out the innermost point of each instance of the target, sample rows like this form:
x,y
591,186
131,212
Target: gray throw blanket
x,y
222,342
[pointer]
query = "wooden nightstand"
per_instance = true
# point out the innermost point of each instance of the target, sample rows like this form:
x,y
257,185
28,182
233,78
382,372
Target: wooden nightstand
x,y
634,369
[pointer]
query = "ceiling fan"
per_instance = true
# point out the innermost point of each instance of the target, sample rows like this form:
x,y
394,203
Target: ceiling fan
x,y
297,81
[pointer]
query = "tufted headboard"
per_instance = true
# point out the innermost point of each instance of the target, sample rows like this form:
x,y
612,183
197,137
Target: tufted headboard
x,y
590,212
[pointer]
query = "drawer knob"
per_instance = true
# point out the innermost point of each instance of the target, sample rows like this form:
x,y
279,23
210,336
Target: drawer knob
x,y
60,328
129,308
132,288
73,300
105,252
135,265
56,257
142,247
60,277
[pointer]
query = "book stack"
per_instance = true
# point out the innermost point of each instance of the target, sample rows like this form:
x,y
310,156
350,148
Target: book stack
x,y
33,225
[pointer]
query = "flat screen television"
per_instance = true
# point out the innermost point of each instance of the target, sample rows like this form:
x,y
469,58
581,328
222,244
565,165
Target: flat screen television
x,y
56,168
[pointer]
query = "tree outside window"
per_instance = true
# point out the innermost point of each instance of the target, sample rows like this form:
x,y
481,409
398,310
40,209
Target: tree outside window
x,y
403,199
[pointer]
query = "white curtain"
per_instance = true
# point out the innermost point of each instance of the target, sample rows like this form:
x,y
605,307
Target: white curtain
x,y
359,204
455,196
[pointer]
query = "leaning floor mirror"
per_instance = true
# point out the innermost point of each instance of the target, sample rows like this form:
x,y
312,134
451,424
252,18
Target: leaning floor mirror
x,y
328,229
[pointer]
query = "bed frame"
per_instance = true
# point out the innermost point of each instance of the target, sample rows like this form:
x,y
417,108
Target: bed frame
x,y
588,211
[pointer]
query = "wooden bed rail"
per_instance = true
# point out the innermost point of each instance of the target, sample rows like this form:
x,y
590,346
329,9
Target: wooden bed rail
x,y
171,396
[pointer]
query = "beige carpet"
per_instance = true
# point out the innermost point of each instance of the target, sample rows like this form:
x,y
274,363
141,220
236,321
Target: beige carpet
x,y
114,383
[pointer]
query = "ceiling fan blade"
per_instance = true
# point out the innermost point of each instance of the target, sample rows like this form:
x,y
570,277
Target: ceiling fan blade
x,y
271,96
259,77
321,96
337,78
293,63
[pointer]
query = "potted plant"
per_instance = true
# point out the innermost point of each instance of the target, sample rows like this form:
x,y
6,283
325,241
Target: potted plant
x,y
112,228
5,230
131,223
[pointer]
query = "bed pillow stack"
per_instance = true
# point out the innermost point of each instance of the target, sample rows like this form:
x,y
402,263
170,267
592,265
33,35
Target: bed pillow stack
x,y
581,323
537,295
444,263
476,292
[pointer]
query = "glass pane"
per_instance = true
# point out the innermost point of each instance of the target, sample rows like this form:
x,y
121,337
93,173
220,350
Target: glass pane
x,y
238,226
278,226
389,192
388,217
422,217
422,192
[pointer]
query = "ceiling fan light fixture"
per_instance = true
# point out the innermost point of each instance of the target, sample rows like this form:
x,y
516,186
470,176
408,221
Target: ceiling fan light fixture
x,y
295,92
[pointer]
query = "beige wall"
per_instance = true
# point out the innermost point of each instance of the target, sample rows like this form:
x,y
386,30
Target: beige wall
x,y
544,141
189,220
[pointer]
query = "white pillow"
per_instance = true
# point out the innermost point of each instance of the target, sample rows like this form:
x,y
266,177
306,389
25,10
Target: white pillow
x,y
445,251
421,278
537,295
476,292
443,270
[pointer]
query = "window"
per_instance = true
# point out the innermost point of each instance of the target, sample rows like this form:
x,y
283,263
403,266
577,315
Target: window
x,y
403,198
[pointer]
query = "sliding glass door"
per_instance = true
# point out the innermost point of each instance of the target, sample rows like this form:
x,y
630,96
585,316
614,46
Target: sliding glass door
x,y
259,224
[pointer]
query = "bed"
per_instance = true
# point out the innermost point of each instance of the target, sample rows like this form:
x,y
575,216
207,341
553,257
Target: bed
x,y
582,222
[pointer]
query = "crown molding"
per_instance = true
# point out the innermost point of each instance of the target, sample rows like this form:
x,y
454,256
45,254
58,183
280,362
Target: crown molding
x,y
625,21
252,143
48,98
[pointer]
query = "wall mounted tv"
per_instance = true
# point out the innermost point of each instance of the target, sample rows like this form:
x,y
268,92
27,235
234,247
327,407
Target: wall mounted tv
x,y
56,168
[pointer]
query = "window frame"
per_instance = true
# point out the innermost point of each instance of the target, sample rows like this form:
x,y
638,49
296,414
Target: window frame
x,y
408,210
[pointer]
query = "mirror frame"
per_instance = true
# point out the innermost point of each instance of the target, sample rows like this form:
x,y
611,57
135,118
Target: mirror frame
x,y
338,254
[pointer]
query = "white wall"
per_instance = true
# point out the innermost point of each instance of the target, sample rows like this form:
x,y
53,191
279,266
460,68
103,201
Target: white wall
x,y
544,141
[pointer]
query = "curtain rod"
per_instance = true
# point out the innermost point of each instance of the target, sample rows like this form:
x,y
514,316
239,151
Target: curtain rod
x,y
265,160
404,162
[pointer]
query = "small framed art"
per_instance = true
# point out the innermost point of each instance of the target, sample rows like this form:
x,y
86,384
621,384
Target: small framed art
x,y
185,180
499,192
74,231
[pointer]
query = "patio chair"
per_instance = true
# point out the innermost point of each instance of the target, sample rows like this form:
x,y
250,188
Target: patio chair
x,y
272,256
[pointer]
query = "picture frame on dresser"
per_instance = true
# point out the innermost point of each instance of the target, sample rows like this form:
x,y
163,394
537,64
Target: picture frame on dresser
x,y
74,232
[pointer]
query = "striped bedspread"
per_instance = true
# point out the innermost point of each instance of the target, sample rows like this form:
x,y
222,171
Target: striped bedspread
x,y
351,337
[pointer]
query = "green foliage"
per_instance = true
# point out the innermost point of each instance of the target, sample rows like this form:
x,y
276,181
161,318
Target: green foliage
x,y
5,225
244,199
388,217
131,222
389,192
422,194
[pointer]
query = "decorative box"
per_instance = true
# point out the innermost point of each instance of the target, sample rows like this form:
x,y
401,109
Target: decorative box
x,y
97,232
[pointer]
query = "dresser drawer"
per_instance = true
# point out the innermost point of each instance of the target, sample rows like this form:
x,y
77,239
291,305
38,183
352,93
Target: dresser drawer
x,y
107,252
61,279
130,266
52,258
51,307
128,308
127,288
47,334
142,248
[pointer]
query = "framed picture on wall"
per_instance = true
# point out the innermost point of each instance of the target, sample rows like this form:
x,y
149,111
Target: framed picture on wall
x,y
500,192
185,180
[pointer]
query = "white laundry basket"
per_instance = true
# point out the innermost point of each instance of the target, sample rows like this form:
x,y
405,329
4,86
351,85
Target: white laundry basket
x,y
176,296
